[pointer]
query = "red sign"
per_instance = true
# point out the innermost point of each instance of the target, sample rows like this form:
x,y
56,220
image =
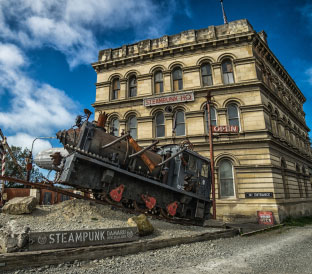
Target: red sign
x,y
169,99
225,129
265,217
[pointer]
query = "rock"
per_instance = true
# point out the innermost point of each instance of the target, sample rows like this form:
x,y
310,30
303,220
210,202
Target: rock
x,y
13,237
20,205
143,224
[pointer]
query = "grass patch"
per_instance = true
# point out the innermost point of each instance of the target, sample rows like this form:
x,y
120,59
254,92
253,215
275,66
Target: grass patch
x,y
302,221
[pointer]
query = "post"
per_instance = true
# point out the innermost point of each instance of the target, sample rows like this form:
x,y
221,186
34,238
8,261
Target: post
x,y
3,157
214,212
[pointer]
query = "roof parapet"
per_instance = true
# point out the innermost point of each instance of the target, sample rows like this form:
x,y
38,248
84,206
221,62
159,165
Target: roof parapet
x,y
183,38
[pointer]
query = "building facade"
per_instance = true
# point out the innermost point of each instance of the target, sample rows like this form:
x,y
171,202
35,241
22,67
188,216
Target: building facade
x,y
156,89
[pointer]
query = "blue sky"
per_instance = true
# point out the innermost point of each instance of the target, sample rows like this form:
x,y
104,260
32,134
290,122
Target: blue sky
x,y
46,47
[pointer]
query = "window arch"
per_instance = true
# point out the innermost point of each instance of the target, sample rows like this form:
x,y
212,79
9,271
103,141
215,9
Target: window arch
x,y
206,75
179,123
159,124
233,115
132,126
158,82
213,117
132,86
177,80
227,72
115,88
226,179
114,127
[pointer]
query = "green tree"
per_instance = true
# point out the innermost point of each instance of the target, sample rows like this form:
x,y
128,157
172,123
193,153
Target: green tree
x,y
21,156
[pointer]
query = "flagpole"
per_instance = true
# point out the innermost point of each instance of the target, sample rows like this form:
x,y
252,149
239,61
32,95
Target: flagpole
x,y
223,12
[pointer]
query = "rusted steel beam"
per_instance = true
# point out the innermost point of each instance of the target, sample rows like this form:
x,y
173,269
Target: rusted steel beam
x,y
116,141
173,156
144,149
149,163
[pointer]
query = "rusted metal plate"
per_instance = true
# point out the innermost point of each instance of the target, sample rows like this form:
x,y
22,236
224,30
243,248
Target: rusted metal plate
x,y
80,238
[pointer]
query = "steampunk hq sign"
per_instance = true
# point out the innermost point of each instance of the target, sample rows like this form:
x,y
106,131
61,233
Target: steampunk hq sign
x,y
79,238
169,99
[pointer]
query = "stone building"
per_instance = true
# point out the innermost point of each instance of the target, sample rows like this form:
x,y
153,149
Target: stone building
x,y
156,89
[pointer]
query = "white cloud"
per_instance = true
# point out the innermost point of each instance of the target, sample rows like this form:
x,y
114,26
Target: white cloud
x,y
72,26
35,108
10,56
25,141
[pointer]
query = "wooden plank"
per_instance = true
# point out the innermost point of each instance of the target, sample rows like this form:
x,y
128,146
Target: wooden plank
x,y
22,260
80,238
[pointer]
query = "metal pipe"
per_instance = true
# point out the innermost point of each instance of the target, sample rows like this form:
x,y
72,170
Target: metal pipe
x,y
174,155
214,212
144,149
116,141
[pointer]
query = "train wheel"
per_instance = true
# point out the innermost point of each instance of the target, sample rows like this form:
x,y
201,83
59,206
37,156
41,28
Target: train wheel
x,y
139,207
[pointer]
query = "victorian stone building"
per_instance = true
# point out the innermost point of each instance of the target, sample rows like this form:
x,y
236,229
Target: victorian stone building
x,y
156,89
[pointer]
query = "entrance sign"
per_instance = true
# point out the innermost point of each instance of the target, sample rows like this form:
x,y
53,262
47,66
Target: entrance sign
x,y
225,129
258,194
79,238
265,217
169,99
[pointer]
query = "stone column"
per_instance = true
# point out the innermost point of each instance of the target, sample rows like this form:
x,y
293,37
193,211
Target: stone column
x,y
216,73
167,81
123,89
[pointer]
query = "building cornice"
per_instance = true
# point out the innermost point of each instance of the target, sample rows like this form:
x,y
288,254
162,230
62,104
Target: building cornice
x,y
264,51
190,40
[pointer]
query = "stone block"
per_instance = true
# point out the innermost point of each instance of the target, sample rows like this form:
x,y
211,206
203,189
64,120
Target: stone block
x,y
143,224
13,237
20,205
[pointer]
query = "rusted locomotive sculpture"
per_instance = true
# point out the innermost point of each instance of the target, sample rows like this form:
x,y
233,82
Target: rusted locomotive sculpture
x,y
172,181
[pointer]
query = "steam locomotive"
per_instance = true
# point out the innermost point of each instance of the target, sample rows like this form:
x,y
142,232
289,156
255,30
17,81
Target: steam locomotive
x,y
172,181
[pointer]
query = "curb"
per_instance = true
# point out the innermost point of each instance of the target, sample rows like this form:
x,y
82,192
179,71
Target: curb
x,y
21,260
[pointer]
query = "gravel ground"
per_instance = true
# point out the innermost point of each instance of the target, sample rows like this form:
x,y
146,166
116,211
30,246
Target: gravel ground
x,y
80,214
279,251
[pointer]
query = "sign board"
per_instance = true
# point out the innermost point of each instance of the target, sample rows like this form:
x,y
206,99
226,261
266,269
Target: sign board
x,y
169,99
258,194
265,217
225,129
79,238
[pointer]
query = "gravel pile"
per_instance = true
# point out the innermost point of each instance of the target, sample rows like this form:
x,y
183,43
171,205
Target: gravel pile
x,y
80,214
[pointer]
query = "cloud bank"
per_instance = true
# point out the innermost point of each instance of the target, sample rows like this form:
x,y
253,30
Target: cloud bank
x,y
72,27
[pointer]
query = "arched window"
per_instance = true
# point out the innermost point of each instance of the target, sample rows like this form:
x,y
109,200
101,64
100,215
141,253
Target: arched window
x,y
206,75
160,124
179,123
177,79
115,88
158,82
132,86
227,72
213,117
114,127
133,126
226,179
233,115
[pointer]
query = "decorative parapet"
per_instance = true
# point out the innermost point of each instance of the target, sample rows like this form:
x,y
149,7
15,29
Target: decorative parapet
x,y
183,38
